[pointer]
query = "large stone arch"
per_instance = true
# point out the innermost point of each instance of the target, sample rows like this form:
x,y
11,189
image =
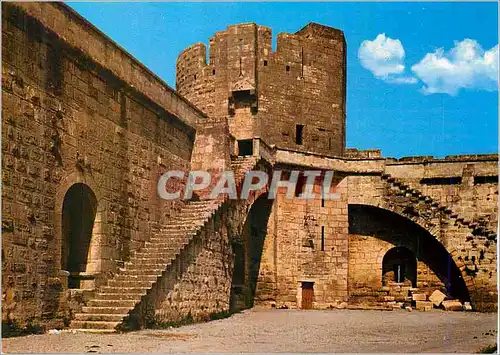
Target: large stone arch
x,y
94,264
248,229
432,229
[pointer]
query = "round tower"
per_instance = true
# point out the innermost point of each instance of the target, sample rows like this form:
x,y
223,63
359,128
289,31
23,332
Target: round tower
x,y
294,97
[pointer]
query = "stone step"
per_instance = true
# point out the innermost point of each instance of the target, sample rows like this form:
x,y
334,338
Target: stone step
x,y
96,331
178,227
119,296
130,283
149,260
113,303
177,244
139,290
205,206
135,277
106,310
193,217
166,242
198,203
200,216
183,227
144,271
93,325
150,249
165,254
147,265
98,317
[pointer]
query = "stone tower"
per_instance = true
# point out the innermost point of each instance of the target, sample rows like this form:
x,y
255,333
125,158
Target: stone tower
x,y
294,97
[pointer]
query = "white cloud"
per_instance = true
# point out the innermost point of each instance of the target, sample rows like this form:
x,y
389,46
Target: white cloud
x,y
466,66
383,56
401,80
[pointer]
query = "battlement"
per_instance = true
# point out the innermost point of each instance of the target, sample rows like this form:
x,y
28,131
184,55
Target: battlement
x,y
316,29
293,97
364,154
447,159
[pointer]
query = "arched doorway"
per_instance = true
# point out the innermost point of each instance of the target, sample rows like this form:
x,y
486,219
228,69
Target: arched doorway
x,y
248,254
377,233
399,266
78,216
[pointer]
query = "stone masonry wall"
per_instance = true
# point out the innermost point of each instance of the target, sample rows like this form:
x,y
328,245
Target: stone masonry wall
x,y
67,119
472,252
197,285
372,235
467,184
265,93
297,250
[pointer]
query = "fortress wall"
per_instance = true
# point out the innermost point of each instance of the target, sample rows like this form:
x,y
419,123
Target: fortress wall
x,y
467,184
195,79
73,112
300,256
265,93
305,85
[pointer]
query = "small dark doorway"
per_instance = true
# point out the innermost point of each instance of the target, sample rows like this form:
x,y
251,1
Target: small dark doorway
x,y
245,147
299,130
399,266
307,295
79,211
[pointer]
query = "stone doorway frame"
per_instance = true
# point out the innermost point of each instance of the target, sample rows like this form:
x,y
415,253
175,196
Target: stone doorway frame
x,y
94,264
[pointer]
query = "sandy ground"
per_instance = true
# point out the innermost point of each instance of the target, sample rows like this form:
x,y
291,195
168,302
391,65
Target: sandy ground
x,y
288,331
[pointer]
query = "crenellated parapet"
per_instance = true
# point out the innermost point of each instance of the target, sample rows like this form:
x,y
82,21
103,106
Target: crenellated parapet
x,y
293,97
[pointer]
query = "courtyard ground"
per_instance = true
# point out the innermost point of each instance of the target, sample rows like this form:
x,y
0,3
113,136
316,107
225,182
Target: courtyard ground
x,y
289,331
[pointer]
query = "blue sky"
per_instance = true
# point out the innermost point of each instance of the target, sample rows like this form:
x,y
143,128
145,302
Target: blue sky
x,y
448,103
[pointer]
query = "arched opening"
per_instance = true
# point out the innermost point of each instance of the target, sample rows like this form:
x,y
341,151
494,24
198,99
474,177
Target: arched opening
x,y
399,266
248,255
376,235
78,216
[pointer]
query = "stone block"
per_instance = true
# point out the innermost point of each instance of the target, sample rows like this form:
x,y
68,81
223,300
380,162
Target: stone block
x,y
419,297
437,297
389,298
342,305
452,305
420,305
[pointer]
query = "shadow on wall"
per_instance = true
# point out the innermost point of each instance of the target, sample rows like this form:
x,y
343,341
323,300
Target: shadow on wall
x,y
392,228
248,254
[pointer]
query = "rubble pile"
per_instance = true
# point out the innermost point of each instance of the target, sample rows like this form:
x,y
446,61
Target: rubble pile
x,y
409,298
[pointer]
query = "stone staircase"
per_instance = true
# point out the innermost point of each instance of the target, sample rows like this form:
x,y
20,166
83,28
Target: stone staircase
x,y
478,227
126,289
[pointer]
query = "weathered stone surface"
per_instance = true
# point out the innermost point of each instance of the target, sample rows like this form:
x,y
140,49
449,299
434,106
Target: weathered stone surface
x,y
437,297
419,297
240,80
452,305
421,305
78,110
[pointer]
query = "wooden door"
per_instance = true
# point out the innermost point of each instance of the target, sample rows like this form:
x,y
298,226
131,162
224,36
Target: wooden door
x,y
307,295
